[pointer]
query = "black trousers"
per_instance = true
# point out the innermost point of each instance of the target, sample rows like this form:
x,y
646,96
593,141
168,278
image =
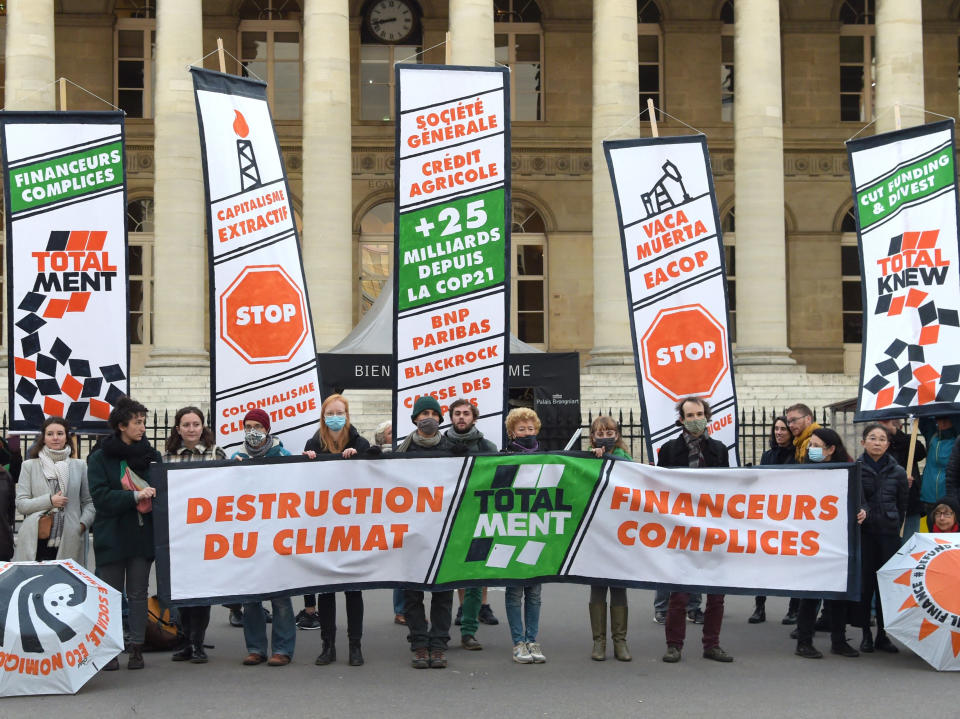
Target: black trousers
x,y
327,614
194,622
836,611
875,550
428,636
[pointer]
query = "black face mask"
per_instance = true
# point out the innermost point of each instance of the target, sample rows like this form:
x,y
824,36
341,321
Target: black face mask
x,y
605,442
526,442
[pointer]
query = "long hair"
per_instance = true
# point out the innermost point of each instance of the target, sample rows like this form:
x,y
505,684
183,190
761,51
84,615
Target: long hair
x,y
175,441
832,439
35,448
327,440
604,421
773,433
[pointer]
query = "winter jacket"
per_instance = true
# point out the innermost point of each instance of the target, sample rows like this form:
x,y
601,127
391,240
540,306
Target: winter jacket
x,y
899,450
8,511
443,447
885,492
952,477
778,455
315,444
277,450
119,530
940,446
475,446
676,454
33,500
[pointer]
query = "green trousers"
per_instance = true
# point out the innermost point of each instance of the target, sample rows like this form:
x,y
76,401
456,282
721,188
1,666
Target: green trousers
x,y
471,610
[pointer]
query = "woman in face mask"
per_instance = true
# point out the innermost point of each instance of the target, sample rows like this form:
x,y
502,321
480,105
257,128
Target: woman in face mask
x,y
826,446
257,440
605,439
334,436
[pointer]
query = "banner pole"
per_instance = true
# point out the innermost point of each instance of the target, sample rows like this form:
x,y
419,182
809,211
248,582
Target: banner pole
x,y
220,56
653,117
574,438
63,94
896,115
910,452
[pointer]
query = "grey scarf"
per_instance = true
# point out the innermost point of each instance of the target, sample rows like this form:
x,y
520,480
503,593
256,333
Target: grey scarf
x,y
416,438
56,470
694,449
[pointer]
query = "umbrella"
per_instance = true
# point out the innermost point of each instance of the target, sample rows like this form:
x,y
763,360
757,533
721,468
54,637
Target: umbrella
x,y
58,626
920,592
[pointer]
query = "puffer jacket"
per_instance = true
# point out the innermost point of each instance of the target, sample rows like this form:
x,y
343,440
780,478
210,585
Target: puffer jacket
x,y
885,491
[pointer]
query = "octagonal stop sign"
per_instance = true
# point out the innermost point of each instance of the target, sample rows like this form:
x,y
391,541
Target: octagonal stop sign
x,y
263,315
685,352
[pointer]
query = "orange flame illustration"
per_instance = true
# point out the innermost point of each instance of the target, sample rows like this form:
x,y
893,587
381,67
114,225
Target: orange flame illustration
x,y
240,125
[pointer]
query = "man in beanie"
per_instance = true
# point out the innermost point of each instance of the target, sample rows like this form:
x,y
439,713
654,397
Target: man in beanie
x,y
257,444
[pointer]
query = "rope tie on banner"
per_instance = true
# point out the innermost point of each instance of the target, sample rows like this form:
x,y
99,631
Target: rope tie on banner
x,y
80,87
34,92
231,56
874,121
418,54
641,114
890,109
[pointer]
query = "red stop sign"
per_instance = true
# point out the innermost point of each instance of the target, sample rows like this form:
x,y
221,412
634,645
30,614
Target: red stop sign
x,y
263,315
685,352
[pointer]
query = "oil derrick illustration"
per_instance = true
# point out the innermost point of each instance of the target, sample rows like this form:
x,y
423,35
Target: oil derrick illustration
x,y
660,198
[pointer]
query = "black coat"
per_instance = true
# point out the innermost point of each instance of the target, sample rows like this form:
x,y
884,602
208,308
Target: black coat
x,y
885,492
675,453
8,510
355,442
899,449
952,478
778,455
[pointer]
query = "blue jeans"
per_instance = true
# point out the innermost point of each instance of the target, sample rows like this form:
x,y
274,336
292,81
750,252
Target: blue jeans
x,y
531,612
398,601
910,527
284,632
662,599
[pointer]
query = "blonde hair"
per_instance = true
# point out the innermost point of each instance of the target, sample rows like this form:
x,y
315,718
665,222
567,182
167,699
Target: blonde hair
x,y
327,440
518,415
604,421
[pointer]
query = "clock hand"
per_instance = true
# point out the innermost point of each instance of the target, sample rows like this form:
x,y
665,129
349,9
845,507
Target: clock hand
x,y
383,20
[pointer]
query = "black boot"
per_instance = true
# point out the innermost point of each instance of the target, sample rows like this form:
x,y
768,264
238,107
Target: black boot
x,y
199,655
328,653
866,645
760,612
883,643
183,654
356,656
135,661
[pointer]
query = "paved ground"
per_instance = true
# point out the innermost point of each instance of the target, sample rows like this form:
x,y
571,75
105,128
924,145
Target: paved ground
x,y
766,680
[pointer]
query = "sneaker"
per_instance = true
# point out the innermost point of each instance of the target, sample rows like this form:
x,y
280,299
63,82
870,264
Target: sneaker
x,y
790,618
486,616
521,654
672,655
844,650
808,651
236,617
468,641
459,620
438,659
717,654
536,652
660,617
421,659
307,620
695,616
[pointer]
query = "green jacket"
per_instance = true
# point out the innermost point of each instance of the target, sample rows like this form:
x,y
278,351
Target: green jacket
x,y
119,530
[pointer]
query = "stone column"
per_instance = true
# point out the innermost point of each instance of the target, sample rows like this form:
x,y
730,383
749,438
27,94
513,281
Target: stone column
x,y
899,63
758,157
471,32
616,104
30,56
179,252
328,204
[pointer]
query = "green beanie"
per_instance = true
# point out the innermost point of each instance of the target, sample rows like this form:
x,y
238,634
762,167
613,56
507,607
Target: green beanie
x,y
423,403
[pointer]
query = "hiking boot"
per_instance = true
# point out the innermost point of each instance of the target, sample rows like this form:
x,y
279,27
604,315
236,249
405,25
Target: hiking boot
x,y
521,655
759,616
356,656
328,654
672,655
438,659
486,616
695,616
135,661
468,641
789,618
421,659
808,651
717,654
536,652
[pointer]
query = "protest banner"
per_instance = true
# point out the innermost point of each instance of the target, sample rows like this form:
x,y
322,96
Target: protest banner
x,y
452,241
66,200
676,282
229,531
262,352
905,200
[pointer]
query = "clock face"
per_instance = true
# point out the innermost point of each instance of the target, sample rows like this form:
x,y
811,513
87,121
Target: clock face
x,y
390,20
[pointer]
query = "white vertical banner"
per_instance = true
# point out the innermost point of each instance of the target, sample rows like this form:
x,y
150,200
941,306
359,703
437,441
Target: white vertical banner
x,y
262,352
676,282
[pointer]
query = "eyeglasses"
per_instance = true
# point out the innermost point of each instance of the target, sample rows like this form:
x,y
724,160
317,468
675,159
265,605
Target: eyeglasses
x,y
793,420
944,513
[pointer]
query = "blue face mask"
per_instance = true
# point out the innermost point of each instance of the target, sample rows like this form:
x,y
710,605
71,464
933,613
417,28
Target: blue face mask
x,y
815,454
335,422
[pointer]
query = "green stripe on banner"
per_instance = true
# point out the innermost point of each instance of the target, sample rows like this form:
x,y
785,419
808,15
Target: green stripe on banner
x,y
65,177
915,181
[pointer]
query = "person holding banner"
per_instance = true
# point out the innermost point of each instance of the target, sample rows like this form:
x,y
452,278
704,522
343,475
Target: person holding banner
x,y
900,451
941,437
523,425
886,491
123,526
337,436
694,448
383,438
53,496
258,444
191,441
605,438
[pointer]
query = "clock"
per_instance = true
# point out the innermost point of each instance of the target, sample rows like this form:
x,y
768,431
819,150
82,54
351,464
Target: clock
x,y
391,20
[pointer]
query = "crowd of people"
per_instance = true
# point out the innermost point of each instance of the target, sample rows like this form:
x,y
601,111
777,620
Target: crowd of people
x,y
61,498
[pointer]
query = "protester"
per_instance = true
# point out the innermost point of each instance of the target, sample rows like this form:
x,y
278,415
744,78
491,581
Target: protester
x,y
825,445
337,436
800,421
605,438
523,426
952,475
781,451
428,642
258,443
900,451
383,437
53,496
940,435
694,448
8,513
944,516
123,526
885,491
10,458
191,441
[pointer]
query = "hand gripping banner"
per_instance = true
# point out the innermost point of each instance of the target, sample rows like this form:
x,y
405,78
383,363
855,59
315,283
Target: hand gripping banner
x,y
905,200
451,295
262,352
237,531
676,282
65,194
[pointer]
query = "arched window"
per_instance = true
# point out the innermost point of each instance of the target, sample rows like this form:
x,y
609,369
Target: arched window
x,y
726,62
649,54
374,254
728,226
134,57
518,41
385,41
529,275
858,61
270,49
851,280
140,267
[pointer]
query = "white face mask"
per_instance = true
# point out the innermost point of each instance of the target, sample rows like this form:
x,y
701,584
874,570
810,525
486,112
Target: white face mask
x,y
254,437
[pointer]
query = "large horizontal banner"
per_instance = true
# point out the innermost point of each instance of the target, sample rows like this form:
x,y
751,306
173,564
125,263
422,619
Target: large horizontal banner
x,y
65,194
905,195
262,352
292,526
451,295
676,282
